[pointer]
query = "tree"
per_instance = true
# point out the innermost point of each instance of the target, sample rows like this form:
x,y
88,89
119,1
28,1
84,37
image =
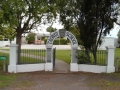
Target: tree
x,y
8,32
74,30
118,36
94,18
31,37
24,15
50,29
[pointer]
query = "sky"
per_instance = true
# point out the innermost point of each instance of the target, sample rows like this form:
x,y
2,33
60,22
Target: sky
x,y
114,31
57,25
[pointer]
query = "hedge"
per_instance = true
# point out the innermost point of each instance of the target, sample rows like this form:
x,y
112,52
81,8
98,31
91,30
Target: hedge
x,y
56,41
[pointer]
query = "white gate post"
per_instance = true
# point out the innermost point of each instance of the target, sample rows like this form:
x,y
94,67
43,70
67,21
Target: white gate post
x,y
74,59
49,61
13,58
110,59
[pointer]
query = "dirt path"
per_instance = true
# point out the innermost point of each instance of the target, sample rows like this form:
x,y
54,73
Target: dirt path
x,y
69,81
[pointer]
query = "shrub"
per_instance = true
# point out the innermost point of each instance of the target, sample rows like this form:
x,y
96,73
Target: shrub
x,y
83,58
56,41
30,38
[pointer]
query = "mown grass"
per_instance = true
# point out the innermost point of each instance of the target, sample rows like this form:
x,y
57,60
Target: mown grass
x,y
29,60
65,55
106,84
117,52
6,80
24,59
37,52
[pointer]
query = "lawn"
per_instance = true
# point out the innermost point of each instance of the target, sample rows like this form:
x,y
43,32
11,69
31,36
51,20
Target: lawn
x,y
117,53
64,55
6,79
23,60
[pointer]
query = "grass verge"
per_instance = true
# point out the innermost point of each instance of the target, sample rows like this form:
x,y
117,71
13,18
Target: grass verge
x,y
6,80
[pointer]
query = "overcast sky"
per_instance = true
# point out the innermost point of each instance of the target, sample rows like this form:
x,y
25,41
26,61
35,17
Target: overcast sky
x,y
114,31
57,25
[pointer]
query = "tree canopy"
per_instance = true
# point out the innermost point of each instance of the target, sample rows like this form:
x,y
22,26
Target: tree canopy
x,y
50,29
24,15
31,37
94,18
8,32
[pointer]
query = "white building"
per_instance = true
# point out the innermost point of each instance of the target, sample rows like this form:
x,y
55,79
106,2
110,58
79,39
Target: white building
x,y
109,41
6,42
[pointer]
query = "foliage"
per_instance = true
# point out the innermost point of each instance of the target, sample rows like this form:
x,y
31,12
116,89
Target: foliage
x,y
30,37
24,15
1,37
8,32
82,57
51,29
74,30
94,18
118,36
62,41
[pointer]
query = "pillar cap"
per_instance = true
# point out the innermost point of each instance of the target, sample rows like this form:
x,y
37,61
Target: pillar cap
x,y
74,46
110,47
49,45
13,45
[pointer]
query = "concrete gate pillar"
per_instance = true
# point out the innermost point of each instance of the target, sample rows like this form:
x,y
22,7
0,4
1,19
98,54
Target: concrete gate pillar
x,y
73,64
49,62
13,58
110,59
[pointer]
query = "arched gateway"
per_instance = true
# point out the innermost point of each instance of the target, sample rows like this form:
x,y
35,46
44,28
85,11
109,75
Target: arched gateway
x,y
49,44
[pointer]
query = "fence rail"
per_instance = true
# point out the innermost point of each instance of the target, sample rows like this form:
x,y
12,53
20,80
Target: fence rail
x,y
85,57
32,56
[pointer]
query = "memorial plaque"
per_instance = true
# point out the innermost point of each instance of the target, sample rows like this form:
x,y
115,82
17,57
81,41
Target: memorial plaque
x,y
52,37
62,32
71,37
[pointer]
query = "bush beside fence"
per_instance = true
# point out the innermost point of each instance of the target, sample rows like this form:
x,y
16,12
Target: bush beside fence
x,y
83,58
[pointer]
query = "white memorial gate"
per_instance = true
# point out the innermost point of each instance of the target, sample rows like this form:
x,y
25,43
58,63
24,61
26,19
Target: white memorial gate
x,y
49,44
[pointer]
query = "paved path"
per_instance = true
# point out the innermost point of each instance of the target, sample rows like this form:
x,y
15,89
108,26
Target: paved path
x,y
61,67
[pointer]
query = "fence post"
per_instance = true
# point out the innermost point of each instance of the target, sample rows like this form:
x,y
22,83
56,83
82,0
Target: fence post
x,y
74,59
13,58
116,64
110,59
49,61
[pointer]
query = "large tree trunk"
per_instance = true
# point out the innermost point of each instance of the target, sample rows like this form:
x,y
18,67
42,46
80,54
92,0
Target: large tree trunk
x,y
95,55
18,41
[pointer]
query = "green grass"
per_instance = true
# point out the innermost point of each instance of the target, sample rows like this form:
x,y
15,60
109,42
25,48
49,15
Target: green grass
x,y
23,59
64,55
6,80
117,52
31,60
38,52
